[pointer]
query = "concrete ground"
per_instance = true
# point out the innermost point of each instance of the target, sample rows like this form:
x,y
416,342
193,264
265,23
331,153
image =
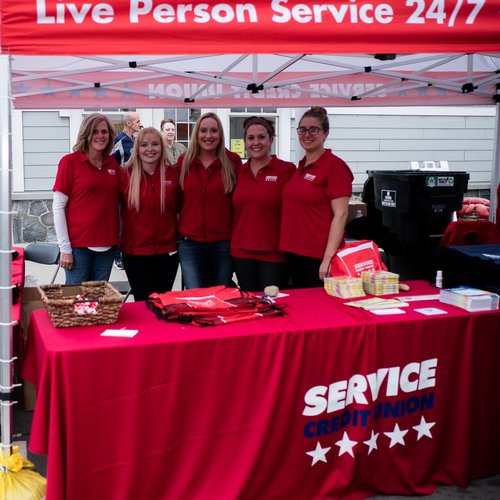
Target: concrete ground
x,y
482,489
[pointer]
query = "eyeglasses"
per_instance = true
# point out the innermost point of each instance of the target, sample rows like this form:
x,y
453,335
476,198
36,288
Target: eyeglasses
x,y
305,130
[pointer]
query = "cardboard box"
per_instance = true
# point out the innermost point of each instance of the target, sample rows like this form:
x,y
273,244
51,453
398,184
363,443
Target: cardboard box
x,y
31,301
354,206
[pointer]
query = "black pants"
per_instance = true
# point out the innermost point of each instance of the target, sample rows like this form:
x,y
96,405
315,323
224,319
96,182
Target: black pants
x,y
150,273
304,271
254,275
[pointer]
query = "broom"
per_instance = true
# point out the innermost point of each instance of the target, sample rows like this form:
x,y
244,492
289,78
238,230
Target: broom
x,y
18,480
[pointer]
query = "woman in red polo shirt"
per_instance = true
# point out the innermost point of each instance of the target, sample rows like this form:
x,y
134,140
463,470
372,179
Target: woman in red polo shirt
x,y
315,204
149,195
207,180
257,211
86,204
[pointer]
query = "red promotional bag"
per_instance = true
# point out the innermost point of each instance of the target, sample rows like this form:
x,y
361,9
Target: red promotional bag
x,y
356,257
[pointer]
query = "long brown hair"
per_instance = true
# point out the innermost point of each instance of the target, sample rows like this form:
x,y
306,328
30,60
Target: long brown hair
x,y
86,131
135,171
228,175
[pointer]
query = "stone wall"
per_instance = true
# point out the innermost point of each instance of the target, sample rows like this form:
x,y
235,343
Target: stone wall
x,y
33,221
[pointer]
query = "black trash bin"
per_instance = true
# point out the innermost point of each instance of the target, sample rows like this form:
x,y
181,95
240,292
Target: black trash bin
x,y
416,206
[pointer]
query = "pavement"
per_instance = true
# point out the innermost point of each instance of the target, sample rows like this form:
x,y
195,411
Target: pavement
x,y
38,274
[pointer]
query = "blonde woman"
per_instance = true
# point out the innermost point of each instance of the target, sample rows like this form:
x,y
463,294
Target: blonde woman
x,y
207,180
148,195
86,203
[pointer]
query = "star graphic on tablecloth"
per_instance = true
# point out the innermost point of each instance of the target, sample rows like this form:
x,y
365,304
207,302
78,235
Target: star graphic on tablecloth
x,y
372,442
424,428
346,445
318,454
396,436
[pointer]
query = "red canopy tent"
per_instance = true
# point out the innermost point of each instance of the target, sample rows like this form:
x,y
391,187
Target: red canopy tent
x,y
73,53
265,53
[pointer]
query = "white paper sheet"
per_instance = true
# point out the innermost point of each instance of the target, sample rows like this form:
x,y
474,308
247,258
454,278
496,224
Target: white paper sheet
x,y
385,312
430,311
119,333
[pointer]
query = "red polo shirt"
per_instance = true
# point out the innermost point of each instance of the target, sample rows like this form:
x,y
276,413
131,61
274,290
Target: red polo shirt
x,y
257,211
92,209
149,231
307,212
206,213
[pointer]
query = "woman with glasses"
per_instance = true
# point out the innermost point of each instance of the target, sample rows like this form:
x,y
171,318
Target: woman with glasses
x,y
207,179
257,211
315,204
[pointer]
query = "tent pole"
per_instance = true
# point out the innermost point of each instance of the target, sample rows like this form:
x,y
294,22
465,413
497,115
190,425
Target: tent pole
x,y
6,364
495,170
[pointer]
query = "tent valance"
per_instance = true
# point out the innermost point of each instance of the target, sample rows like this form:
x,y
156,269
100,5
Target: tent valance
x,y
257,80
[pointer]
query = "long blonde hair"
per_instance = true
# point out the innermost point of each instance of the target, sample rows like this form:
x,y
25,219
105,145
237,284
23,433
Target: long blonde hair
x,y
135,171
193,151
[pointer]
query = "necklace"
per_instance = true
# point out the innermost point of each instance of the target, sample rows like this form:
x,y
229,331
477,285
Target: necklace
x,y
96,162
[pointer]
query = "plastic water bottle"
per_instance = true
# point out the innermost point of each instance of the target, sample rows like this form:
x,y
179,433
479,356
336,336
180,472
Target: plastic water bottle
x,y
439,279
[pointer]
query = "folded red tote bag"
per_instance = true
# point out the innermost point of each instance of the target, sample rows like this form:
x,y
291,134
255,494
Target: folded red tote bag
x,y
356,257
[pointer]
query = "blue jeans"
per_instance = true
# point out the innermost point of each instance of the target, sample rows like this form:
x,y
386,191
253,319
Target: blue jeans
x,y
89,265
205,264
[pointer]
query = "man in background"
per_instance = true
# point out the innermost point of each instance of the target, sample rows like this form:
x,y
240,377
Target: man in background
x,y
124,142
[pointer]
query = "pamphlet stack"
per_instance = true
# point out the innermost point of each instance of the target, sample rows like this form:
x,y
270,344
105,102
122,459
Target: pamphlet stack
x,y
470,299
344,287
380,282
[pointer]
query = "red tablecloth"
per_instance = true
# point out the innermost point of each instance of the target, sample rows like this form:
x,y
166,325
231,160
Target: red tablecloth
x,y
327,401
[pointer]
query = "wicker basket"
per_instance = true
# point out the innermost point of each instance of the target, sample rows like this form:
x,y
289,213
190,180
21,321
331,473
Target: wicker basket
x,y
66,304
